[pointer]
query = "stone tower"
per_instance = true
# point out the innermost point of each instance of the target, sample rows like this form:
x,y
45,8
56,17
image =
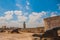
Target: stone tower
x,y
24,25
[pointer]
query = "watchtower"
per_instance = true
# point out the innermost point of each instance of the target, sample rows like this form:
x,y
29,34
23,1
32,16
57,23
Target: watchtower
x,y
24,25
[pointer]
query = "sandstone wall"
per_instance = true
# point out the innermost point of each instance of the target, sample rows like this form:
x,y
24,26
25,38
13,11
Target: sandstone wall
x,y
52,22
34,30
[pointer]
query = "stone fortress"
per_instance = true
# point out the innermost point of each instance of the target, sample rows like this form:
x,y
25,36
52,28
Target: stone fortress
x,y
4,29
51,29
52,22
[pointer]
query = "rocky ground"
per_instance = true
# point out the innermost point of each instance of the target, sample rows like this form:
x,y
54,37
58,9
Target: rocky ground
x,y
15,36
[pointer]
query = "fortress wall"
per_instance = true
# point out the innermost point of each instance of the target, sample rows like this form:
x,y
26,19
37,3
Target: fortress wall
x,y
52,22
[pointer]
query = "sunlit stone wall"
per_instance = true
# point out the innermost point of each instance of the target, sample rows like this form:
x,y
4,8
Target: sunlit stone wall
x,y
52,22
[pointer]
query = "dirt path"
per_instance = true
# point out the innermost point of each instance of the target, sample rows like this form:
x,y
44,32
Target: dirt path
x,y
23,36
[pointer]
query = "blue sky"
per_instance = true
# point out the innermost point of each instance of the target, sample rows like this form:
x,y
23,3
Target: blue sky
x,y
31,11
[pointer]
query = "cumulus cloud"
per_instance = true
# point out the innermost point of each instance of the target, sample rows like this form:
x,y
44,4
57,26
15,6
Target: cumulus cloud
x,y
26,14
36,16
3,23
33,20
7,16
14,24
6,19
2,18
22,18
53,14
18,13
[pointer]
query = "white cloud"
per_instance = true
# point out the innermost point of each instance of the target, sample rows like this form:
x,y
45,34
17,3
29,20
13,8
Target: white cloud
x,y
22,18
58,6
27,3
2,18
3,21
26,13
23,7
14,24
53,14
8,15
42,13
8,12
18,12
36,16
33,18
19,6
